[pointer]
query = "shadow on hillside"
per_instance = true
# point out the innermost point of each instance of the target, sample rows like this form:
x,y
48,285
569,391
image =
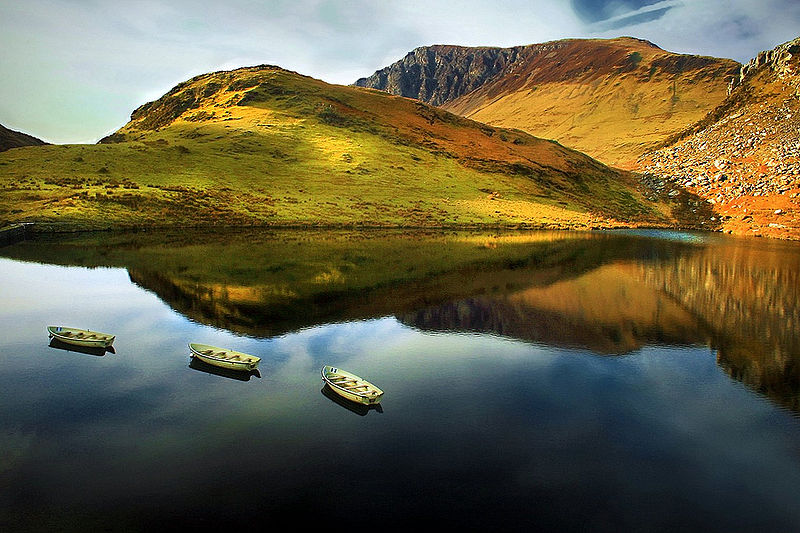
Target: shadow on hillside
x,y
689,210
694,212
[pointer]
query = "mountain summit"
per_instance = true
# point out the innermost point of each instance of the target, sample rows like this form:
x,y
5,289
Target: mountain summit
x,y
610,98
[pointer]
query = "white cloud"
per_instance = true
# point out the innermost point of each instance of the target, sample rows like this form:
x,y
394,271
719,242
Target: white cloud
x,y
736,29
74,71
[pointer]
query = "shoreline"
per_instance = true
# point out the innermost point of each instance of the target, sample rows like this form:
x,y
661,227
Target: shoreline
x,y
18,232
33,229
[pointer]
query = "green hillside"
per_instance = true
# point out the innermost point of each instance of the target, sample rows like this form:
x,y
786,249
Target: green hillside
x,y
264,146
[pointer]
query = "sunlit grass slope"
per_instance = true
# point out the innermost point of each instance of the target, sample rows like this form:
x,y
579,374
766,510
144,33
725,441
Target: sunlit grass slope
x,y
264,146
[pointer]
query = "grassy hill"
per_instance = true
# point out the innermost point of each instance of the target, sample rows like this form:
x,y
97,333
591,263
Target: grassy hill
x,y
264,146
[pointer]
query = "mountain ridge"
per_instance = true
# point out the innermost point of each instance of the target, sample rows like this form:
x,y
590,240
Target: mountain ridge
x,y
441,56
15,139
609,98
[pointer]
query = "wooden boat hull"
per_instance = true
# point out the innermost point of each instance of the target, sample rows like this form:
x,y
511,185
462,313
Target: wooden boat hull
x,y
81,337
98,351
196,363
224,358
350,386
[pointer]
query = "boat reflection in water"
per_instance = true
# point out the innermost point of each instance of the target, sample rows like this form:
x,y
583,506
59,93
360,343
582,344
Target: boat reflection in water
x,y
88,350
239,375
358,408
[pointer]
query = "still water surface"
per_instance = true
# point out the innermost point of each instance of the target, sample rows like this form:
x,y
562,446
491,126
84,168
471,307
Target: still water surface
x,y
551,381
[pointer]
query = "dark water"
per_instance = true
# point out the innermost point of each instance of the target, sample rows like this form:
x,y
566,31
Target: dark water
x,y
542,381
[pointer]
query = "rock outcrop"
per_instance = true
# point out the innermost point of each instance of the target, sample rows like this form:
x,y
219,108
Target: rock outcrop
x,y
782,61
440,73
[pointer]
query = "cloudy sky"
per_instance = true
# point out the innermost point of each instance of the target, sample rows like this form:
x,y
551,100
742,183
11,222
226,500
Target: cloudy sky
x,y
71,71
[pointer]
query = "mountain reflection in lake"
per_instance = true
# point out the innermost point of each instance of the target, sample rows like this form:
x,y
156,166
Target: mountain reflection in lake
x,y
549,380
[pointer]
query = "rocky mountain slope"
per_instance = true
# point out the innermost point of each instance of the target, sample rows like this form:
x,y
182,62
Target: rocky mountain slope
x,y
439,74
15,139
265,146
744,157
612,99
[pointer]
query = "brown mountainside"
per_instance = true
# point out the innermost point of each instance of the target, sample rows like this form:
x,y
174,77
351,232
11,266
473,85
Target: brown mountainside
x,y
612,99
14,139
744,156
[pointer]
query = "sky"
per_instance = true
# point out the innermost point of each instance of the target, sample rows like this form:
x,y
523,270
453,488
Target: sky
x,y
72,71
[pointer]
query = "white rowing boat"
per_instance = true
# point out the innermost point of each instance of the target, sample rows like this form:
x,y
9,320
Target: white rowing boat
x,y
350,386
81,337
223,357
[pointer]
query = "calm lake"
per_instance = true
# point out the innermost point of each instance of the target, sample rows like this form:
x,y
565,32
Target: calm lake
x,y
602,381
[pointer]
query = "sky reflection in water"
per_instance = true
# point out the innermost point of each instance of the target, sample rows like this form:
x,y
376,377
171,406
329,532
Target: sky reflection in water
x,y
476,426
